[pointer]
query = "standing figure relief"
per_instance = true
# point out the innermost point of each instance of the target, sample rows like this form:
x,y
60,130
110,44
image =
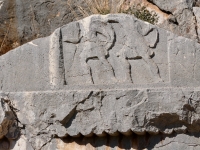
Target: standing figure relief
x,y
98,42
140,46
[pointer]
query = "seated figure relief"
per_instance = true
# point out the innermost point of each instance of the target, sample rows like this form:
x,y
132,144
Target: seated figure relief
x,y
90,54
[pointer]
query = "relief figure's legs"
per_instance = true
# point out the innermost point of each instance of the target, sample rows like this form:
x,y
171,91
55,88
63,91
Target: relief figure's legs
x,y
106,64
85,66
127,69
153,67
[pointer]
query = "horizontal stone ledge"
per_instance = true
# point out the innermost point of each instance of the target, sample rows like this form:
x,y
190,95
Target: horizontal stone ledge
x,y
113,87
130,132
87,112
159,141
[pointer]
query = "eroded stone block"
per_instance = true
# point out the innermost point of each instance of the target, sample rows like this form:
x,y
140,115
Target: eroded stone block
x,y
101,75
183,56
110,51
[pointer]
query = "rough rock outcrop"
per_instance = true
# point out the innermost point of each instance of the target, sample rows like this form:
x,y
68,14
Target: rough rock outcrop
x,y
24,20
196,11
9,127
101,75
175,16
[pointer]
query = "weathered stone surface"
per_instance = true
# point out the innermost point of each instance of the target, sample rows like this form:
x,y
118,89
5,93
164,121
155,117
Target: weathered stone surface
x,y
181,18
88,112
133,142
102,75
21,144
182,23
113,40
8,121
102,50
197,15
173,6
24,20
77,69
32,66
184,56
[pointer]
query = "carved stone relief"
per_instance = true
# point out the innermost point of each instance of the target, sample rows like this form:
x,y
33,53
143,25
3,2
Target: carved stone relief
x,y
101,75
110,52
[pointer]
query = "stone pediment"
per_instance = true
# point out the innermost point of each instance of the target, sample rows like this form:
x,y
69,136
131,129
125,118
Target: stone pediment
x,y
103,74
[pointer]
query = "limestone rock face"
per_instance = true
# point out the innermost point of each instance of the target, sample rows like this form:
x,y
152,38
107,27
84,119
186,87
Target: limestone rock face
x,y
173,6
22,21
175,16
103,75
9,126
197,15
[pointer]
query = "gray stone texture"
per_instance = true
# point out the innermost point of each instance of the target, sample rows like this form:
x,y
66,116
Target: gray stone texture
x,y
151,142
88,112
116,49
173,6
196,11
9,126
22,21
181,20
32,66
102,75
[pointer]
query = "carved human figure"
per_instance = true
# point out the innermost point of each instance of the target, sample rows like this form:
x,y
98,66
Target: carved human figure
x,y
93,42
140,47
82,45
98,42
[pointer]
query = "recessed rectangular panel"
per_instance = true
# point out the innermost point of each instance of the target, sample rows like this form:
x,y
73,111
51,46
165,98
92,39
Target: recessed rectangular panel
x,y
114,50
